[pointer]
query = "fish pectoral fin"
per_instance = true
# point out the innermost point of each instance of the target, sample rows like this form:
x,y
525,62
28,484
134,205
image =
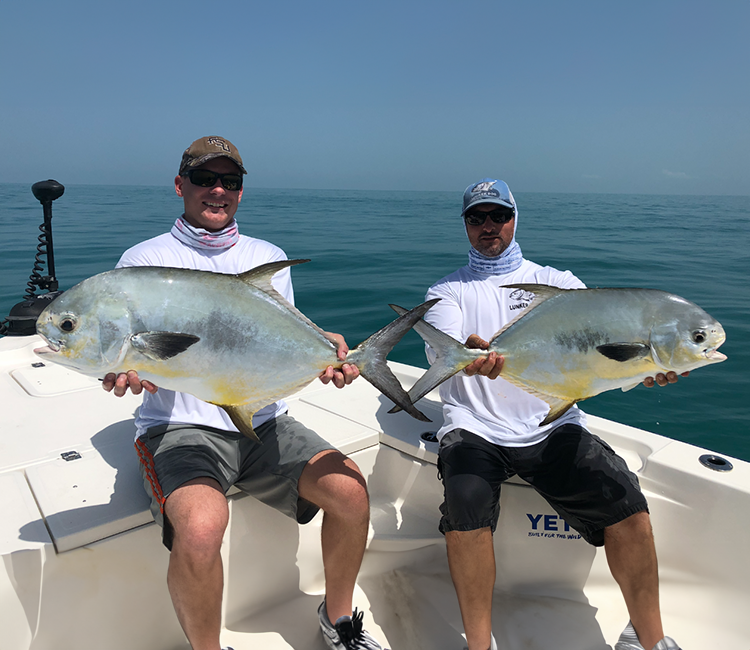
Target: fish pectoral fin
x,y
161,346
624,351
242,418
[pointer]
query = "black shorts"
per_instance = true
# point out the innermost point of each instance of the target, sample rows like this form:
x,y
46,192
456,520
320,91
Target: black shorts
x,y
578,474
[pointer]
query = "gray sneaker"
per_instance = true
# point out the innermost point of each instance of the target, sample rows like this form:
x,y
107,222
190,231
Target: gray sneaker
x,y
629,641
346,635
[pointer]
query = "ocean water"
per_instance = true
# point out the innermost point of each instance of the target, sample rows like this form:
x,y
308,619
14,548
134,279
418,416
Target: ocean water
x,y
368,249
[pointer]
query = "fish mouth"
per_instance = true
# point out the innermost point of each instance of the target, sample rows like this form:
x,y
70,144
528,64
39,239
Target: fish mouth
x,y
715,356
52,346
712,354
719,337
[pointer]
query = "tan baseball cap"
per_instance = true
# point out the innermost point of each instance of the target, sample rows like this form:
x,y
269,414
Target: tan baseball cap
x,y
205,149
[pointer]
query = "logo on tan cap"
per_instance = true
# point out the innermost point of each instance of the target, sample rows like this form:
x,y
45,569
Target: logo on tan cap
x,y
205,149
218,142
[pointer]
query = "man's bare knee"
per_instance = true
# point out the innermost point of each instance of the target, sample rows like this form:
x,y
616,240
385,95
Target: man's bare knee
x,y
335,484
635,527
198,514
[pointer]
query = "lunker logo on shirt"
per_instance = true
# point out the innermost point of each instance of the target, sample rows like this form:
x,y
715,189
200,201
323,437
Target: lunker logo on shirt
x,y
522,299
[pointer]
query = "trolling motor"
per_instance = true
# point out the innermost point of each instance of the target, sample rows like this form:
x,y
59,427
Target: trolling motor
x,y
22,318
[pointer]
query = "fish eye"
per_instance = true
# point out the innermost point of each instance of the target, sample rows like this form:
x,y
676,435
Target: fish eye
x,y
699,336
68,323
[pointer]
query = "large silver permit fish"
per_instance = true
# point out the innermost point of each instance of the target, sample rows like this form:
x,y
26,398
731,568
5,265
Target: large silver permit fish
x,y
572,344
231,340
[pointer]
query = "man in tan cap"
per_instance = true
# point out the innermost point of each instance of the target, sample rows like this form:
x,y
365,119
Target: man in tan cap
x,y
188,483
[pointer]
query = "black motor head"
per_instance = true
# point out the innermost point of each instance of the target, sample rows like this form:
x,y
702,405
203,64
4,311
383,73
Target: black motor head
x,y
47,191
23,316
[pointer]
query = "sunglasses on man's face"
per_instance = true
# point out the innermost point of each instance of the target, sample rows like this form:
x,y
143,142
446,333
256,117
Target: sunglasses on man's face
x,y
499,215
207,178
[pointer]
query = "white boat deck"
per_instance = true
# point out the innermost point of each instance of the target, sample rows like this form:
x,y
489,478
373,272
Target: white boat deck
x,y
84,568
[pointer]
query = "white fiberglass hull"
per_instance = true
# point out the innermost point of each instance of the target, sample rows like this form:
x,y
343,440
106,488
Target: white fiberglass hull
x,y
83,567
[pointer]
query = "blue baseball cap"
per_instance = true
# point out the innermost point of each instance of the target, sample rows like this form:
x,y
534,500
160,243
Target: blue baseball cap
x,y
488,190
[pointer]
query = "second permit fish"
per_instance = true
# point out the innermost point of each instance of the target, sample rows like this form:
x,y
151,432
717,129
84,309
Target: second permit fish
x,y
572,344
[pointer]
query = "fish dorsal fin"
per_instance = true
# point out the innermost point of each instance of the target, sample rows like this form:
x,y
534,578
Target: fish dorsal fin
x,y
542,292
161,346
260,278
262,274
242,418
557,405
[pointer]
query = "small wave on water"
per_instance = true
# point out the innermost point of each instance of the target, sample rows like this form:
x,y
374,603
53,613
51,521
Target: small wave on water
x,y
368,249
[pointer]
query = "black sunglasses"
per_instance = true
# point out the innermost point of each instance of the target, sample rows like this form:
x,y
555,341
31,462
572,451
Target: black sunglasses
x,y
207,178
499,215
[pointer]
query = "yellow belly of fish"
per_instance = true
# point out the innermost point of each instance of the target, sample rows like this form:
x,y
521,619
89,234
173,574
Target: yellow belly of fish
x,y
576,377
222,386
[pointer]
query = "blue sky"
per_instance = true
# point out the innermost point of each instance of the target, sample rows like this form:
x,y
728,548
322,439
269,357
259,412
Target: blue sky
x,y
633,97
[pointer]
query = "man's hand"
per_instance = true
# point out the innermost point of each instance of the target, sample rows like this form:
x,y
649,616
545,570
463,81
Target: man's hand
x,y
662,379
489,366
348,371
120,383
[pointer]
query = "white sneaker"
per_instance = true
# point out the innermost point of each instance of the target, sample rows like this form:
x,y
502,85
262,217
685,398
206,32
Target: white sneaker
x,y
493,643
629,641
346,635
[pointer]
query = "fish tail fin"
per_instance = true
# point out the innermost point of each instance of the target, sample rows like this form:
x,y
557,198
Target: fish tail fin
x,y
452,356
370,357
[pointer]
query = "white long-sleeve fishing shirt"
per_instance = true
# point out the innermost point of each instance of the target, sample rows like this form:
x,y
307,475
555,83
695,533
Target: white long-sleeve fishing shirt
x,y
475,303
170,407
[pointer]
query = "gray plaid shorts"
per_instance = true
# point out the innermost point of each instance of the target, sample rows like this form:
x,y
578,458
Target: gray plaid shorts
x,y
173,454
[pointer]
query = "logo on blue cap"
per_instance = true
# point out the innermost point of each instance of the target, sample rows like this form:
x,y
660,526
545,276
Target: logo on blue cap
x,y
488,190
485,187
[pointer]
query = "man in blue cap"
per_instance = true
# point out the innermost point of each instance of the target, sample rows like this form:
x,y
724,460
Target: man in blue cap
x,y
492,431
